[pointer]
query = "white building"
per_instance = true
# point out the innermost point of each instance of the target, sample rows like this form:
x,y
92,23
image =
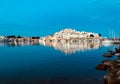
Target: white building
x,y
69,33
1,38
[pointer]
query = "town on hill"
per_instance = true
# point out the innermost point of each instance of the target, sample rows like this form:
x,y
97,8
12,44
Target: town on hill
x,y
73,35
65,35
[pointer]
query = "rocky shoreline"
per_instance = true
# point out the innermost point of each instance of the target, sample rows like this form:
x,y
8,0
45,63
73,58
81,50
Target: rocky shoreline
x,y
112,66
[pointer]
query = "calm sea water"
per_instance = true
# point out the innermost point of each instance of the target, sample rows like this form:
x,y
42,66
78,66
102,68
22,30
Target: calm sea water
x,y
38,64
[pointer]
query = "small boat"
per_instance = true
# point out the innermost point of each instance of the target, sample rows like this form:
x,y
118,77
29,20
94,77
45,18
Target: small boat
x,y
106,41
118,54
116,42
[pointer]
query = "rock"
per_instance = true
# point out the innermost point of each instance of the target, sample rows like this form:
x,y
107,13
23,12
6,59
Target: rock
x,y
108,55
102,67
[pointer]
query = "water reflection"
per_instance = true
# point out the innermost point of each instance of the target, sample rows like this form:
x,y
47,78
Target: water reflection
x,y
13,44
73,47
65,47
113,66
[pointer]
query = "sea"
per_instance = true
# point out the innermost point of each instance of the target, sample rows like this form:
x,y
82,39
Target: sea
x,y
52,64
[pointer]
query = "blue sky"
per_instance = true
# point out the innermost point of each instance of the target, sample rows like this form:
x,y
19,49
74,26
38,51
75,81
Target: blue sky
x,y
44,17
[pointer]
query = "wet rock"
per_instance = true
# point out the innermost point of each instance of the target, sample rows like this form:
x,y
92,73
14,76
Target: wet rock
x,y
110,50
117,50
108,55
109,62
102,67
113,66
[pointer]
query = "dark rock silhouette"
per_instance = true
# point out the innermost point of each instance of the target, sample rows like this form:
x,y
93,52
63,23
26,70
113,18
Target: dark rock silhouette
x,y
102,67
117,50
113,66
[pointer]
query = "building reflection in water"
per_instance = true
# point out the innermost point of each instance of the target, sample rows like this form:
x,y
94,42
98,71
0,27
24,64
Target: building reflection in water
x,y
73,47
13,44
65,47
112,66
